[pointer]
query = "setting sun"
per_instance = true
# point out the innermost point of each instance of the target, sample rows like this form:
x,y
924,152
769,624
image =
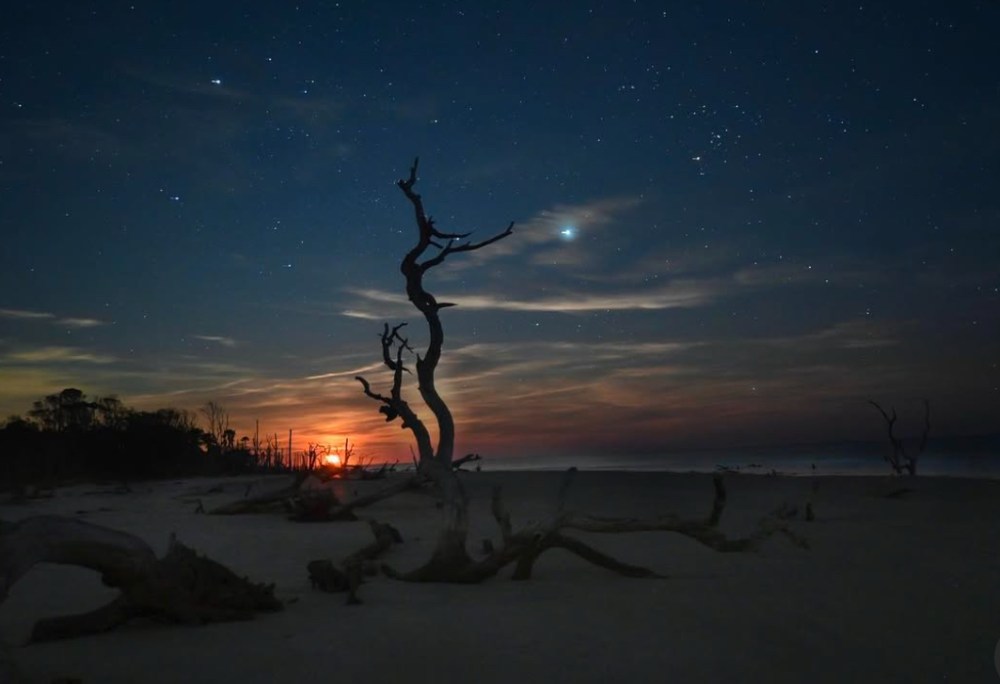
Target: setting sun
x,y
332,459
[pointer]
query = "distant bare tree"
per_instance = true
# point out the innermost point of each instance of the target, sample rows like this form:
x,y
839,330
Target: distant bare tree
x,y
900,459
346,454
217,419
273,457
312,457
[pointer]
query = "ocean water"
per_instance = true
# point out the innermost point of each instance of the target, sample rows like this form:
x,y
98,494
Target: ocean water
x,y
976,457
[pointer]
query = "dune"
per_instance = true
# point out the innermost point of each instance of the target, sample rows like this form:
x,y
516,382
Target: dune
x,y
901,588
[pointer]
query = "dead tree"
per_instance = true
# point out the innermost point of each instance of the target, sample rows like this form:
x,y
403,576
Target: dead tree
x,y
182,587
432,248
899,459
217,419
312,456
450,560
345,456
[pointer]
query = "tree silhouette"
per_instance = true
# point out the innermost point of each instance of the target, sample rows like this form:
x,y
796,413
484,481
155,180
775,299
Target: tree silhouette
x,y
217,419
900,459
69,436
431,249
450,560
69,409
110,412
413,267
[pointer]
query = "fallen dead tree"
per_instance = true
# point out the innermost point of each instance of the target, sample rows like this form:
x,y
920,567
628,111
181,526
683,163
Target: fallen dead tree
x,y
450,561
182,587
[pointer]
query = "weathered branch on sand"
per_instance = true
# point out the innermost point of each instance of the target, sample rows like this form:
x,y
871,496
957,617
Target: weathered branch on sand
x,y
346,510
525,546
347,575
468,458
182,587
317,504
301,501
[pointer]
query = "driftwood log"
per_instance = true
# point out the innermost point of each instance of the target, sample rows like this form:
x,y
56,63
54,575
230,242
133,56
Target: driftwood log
x,y
451,563
347,576
315,504
468,458
182,587
266,502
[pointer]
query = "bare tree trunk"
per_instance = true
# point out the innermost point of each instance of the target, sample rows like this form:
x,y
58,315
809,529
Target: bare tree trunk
x,y
434,463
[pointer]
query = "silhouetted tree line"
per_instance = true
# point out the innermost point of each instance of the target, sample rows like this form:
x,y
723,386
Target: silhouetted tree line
x,y
67,436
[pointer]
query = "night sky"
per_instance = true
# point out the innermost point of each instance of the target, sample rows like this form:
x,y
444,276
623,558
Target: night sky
x,y
735,222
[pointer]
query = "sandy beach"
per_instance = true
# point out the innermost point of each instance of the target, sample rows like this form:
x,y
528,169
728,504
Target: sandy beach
x,y
892,589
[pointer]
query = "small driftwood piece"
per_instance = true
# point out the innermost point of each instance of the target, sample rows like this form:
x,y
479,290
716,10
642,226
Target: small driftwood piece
x,y
523,547
347,575
182,587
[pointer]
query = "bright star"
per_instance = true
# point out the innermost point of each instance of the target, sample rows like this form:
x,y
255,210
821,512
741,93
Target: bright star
x,y
568,233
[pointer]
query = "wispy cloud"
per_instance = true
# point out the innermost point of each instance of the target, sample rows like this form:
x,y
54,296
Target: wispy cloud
x,y
678,294
553,246
347,373
217,339
80,322
210,88
69,321
58,355
542,235
854,334
23,314
365,315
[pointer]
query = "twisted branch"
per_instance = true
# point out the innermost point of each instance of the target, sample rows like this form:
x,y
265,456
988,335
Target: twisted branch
x,y
413,267
525,546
